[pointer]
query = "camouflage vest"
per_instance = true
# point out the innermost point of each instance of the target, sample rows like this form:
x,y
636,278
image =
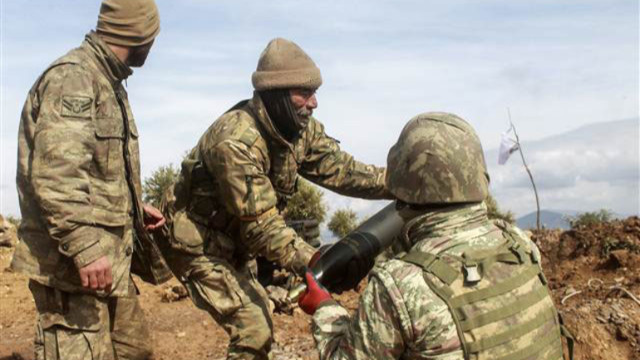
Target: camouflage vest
x,y
498,298
198,186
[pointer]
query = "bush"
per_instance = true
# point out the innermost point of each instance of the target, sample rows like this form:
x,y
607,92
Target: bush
x,y
160,180
494,212
343,222
590,218
306,204
15,221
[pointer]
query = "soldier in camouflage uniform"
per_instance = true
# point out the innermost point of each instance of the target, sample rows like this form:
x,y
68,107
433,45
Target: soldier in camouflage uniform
x,y
467,288
224,209
80,195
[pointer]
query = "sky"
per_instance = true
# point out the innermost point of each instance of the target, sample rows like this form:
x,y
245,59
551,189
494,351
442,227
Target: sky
x,y
558,65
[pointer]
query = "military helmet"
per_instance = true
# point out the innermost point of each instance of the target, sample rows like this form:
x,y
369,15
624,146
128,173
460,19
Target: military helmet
x,y
437,159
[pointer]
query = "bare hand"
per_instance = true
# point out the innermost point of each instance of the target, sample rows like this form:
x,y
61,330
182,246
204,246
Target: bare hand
x,y
153,218
97,275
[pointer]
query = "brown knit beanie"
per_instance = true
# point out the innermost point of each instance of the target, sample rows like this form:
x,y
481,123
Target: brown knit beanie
x,y
128,22
284,65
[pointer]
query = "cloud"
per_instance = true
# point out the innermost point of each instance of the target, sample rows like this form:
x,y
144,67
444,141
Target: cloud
x,y
557,64
594,167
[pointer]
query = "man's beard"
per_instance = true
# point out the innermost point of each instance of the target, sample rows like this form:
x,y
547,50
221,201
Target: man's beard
x,y
304,115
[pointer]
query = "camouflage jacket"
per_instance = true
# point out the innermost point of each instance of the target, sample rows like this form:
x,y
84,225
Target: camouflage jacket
x,y
78,170
399,316
241,170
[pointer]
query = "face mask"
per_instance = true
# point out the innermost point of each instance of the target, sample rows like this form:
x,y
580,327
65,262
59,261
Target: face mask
x,y
138,55
285,118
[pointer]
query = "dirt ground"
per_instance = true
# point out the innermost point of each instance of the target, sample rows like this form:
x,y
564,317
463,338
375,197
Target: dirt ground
x,y
593,272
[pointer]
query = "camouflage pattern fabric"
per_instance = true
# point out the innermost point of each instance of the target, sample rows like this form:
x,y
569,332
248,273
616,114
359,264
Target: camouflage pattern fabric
x,y
223,212
75,326
437,159
399,316
73,182
80,196
232,296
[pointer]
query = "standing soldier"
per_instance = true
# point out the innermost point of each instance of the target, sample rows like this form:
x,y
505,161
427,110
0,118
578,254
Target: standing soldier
x,y
224,209
468,288
79,186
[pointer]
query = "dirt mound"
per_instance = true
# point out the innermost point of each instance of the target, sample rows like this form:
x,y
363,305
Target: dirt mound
x,y
595,279
8,233
593,273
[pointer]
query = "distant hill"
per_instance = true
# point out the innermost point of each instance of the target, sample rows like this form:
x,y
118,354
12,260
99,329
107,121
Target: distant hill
x,y
553,219
593,167
548,219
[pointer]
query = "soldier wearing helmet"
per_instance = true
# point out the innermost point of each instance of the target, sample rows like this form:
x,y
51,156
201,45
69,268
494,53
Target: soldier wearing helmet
x,y
466,288
80,194
225,208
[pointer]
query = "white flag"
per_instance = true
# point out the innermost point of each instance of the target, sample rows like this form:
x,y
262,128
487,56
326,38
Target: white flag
x,y
507,147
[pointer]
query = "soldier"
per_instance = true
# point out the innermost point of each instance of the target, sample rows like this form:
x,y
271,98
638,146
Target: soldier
x,y
467,288
80,195
224,209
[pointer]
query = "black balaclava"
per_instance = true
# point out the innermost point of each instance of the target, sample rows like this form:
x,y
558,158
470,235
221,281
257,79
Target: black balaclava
x,y
283,114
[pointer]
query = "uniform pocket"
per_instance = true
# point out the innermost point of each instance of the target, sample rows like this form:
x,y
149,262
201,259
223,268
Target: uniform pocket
x,y
69,310
188,235
217,286
220,245
109,157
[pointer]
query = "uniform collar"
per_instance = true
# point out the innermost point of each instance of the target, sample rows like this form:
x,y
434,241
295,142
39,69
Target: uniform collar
x,y
113,68
445,222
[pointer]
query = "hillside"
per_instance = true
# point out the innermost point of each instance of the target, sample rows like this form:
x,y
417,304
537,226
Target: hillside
x,y
593,273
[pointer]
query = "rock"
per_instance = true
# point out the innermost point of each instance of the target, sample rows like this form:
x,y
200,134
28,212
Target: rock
x,y
280,299
8,236
174,293
621,334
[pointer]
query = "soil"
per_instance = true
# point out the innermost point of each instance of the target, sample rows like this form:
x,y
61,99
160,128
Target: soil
x,y
591,270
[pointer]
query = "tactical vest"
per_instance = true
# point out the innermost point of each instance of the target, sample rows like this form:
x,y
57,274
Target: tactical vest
x,y
499,300
200,186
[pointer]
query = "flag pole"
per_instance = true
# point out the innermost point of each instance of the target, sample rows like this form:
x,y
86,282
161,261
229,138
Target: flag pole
x,y
524,162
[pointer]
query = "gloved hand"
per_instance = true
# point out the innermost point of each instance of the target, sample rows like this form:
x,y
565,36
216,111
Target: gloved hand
x,y
313,296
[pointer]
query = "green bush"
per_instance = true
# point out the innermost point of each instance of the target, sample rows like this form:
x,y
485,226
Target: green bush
x,y
342,222
160,180
590,218
494,211
306,204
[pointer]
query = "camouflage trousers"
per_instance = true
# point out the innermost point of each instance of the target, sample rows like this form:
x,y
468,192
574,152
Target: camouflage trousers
x,y
74,326
232,296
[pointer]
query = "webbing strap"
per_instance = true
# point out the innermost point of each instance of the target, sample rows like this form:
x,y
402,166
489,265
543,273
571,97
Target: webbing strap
x,y
512,332
567,335
499,289
550,339
432,264
504,312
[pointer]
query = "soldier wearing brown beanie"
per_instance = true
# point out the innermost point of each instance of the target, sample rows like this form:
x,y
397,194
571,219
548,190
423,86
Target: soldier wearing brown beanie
x,y
80,195
225,208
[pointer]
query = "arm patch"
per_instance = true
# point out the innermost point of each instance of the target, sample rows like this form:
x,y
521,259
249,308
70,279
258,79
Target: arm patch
x,y
249,137
76,106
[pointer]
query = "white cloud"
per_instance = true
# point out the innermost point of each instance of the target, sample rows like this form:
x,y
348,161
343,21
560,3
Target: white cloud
x,y
556,64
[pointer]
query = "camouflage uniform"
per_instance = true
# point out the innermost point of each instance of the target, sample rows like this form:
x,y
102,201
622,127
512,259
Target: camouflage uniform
x,y
79,186
223,213
468,287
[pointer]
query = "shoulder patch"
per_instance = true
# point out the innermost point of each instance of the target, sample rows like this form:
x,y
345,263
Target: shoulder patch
x,y
249,137
76,106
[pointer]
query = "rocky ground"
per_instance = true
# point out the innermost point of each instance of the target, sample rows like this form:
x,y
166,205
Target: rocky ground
x,y
593,271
